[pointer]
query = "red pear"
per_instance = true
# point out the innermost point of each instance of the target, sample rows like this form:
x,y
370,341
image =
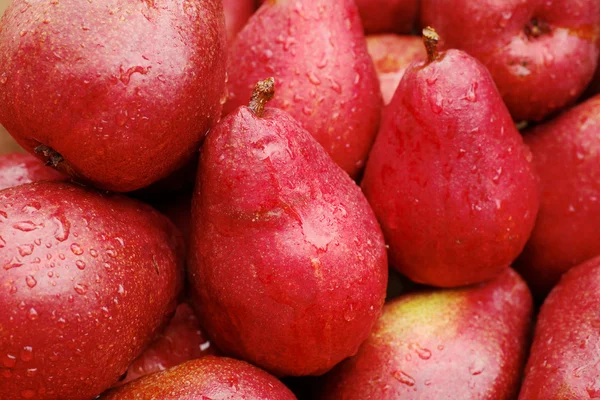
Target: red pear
x,y
388,16
287,263
541,53
87,280
181,341
566,154
19,168
115,93
564,362
316,51
449,176
392,54
205,379
467,343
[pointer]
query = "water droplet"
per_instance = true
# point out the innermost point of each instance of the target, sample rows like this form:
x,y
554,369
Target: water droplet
x,y
27,353
13,263
477,367
336,87
472,93
496,178
121,289
62,227
80,288
25,250
76,249
93,253
436,102
9,360
307,110
31,372
424,354
32,314
3,78
121,117
25,226
61,322
313,78
31,282
403,378
80,264
349,312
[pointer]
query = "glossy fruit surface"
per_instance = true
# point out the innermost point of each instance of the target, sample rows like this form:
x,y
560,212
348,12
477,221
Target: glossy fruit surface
x,y
87,279
449,177
541,53
287,262
208,378
564,362
116,93
316,51
467,343
566,154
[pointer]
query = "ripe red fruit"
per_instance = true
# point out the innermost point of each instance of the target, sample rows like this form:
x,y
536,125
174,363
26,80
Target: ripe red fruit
x,y
287,263
564,362
115,93
181,341
567,158
87,279
541,53
207,378
316,51
449,177
467,343
18,168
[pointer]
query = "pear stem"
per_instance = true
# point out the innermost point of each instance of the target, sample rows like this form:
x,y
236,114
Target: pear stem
x,y
431,39
263,92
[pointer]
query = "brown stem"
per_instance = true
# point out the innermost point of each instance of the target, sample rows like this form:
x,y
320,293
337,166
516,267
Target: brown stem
x,y
263,92
431,39
537,28
54,157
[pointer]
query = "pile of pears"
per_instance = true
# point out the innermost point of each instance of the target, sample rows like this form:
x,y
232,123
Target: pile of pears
x,y
299,199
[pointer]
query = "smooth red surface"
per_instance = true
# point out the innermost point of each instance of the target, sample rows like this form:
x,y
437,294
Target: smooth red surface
x,y
535,75
564,362
237,13
209,378
388,16
87,279
287,264
18,168
123,90
324,77
468,343
449,177
566,154
181,341
392,54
